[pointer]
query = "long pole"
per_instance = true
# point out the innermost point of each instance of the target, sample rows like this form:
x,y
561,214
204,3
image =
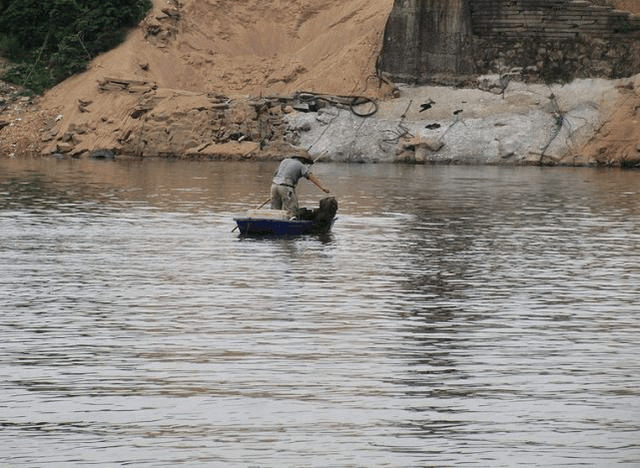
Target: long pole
x,y
265,202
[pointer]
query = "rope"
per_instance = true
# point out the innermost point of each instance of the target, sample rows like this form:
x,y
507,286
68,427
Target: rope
x,y
37,59
353,103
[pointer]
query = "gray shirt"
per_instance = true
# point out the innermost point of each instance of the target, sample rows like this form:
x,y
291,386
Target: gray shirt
x,y
290,172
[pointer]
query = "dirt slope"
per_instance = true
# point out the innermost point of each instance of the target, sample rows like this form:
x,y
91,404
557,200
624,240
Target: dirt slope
x,y
252,47
210,48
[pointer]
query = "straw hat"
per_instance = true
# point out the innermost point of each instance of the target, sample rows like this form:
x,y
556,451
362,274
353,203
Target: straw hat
x,y
305,158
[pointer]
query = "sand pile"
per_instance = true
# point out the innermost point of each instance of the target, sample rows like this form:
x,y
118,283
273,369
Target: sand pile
x,y
252,47
213,49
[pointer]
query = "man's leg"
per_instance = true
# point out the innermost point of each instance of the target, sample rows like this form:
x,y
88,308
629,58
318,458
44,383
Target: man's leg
x,y
276,198
290,200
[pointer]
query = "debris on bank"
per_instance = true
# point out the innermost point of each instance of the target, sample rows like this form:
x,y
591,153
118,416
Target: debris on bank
x,y
148,121
495,123
518,124
160,122
20,121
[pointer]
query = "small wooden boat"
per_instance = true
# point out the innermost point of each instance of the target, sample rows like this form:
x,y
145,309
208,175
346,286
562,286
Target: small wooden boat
x,y
281,223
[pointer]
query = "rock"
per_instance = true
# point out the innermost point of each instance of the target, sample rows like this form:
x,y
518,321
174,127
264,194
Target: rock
x,y
405,156
83,104
231,150
71,137
64,147
102,154
49,136
432,144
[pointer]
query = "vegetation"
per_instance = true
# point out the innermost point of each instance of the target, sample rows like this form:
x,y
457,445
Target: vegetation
x,y
50,40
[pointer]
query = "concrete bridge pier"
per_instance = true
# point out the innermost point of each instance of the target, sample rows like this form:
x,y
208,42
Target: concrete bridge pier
x,y
425,38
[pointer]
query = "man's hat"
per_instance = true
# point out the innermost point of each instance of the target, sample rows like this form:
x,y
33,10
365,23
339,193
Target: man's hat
x,y
305,158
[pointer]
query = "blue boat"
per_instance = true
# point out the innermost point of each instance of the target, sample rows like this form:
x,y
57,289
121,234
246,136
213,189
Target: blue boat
x,y
276,227
282,223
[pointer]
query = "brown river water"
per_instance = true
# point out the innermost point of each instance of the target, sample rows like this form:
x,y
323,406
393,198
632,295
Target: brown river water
x,y
454,317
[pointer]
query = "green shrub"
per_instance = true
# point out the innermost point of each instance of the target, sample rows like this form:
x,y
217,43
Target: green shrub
x,y
50,40
36,78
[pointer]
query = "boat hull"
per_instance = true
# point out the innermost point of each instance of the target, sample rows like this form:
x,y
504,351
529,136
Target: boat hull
x,y
275,227
271,223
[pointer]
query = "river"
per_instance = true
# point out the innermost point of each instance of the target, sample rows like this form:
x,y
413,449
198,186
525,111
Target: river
x,y
455,316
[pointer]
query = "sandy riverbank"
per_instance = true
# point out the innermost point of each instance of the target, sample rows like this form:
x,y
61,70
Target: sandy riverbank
x,y
198,79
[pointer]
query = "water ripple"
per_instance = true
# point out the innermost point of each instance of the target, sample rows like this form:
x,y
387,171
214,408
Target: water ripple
x,y
454,317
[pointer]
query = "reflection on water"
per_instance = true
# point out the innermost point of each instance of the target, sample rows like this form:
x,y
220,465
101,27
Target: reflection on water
x,y
456,316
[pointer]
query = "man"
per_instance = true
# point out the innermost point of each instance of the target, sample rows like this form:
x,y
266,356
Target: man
x,y
285,179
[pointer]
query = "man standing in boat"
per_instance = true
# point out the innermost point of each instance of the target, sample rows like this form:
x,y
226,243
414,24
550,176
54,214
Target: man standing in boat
x,y
285,179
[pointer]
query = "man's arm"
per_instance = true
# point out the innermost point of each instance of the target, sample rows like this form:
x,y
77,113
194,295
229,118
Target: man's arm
x,y
317,183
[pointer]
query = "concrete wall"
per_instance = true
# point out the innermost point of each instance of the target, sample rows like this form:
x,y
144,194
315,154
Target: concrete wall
x,y
427,35
546,40
547,19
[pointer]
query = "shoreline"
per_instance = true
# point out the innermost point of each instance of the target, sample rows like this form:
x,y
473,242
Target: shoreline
x,y
491,124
